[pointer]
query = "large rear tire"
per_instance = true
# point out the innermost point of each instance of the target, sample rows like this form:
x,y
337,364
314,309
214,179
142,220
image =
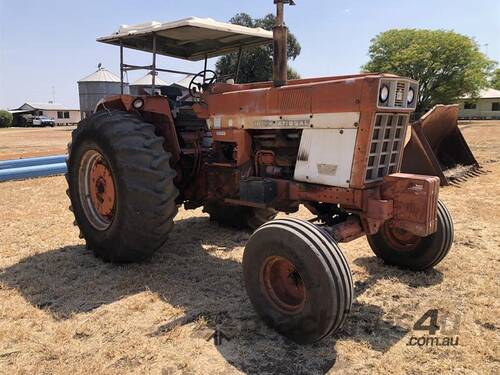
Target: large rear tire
x,y
401,248
239,217
297,279
121,186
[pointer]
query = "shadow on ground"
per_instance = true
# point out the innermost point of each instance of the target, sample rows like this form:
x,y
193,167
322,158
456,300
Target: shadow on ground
x,y
70,280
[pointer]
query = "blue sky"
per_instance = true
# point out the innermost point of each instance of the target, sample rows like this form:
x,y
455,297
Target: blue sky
x,y
45,44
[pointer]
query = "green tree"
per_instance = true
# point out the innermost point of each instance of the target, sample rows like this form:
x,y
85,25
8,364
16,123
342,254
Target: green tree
x,y
5,119
256,63
446,64
495,79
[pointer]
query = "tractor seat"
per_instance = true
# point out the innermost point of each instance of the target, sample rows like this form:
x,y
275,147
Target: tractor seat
x,y
171,92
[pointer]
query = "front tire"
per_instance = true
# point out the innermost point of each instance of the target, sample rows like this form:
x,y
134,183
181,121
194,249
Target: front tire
x,y
121,186
297,279
401,248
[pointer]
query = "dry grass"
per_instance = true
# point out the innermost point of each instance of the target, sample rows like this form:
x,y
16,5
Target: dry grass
x,y
63,311
29,142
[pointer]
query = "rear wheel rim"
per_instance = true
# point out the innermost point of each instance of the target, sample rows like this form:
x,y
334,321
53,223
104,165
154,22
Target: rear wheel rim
x,y
283,285
97,190
400,239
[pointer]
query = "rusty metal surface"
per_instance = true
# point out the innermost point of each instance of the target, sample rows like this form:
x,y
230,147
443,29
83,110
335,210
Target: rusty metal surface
x,y
379,209
406,201
320,193
415,200
241,140
348,230
363,142
221,182
397,200
282,285
239,202
231,105
156,110
322,97
102,189
225,87
399,239
437,146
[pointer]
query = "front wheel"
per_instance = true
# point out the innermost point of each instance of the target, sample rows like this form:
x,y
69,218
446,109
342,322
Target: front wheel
x,y
401,248
297,279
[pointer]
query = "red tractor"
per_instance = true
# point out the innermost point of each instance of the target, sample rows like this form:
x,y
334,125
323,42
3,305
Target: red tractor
x,y
245,152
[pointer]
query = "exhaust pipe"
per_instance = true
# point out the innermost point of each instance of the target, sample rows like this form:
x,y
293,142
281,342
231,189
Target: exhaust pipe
x,y
280,53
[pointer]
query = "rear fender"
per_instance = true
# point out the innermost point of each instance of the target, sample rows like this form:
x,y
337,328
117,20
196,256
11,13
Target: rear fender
x,y
156,110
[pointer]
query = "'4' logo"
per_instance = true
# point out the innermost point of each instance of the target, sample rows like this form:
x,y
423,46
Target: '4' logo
x,y
432,327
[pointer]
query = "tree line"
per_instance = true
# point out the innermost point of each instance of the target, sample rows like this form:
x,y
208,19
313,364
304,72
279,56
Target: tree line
x,y
447,65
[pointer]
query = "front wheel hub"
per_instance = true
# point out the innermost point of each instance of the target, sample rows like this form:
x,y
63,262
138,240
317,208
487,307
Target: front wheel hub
x,y
400,239
283,285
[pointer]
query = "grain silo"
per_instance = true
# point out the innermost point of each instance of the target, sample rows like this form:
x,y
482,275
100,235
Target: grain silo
x,y
96,86
144,85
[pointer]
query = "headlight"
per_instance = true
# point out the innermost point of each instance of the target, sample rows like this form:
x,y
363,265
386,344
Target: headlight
x,y
138,103
411,95
384,93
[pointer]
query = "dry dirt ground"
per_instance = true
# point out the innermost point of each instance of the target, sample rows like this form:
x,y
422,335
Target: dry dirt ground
x,y
63,311
30,142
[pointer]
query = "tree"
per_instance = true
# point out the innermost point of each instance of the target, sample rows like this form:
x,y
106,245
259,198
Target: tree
x,y
495,79
446,64
256,63
5,119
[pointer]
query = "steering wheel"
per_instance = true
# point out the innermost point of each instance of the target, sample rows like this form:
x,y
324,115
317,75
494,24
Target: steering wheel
x,y
200,82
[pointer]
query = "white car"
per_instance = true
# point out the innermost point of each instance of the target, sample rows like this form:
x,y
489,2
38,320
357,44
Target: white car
x,y
43,121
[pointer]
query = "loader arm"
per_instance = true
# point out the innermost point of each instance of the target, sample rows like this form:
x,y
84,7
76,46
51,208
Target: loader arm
x,y
438,148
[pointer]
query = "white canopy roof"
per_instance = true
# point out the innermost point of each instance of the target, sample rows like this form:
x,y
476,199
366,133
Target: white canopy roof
x,y
190,38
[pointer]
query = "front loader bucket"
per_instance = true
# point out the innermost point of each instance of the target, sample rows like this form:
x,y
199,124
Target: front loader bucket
x,y
438,148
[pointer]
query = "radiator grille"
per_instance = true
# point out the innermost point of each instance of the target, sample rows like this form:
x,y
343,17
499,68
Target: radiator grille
x,y
389,132
399,99
398,93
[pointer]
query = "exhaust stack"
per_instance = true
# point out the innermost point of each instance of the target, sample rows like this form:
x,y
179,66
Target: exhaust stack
x,y
280,35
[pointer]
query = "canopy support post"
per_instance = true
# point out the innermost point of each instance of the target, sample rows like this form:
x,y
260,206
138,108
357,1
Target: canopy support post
x,y
121,67
153,71
240,53
205,68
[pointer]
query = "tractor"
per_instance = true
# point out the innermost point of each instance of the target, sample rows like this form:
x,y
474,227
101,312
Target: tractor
x,y
245,152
